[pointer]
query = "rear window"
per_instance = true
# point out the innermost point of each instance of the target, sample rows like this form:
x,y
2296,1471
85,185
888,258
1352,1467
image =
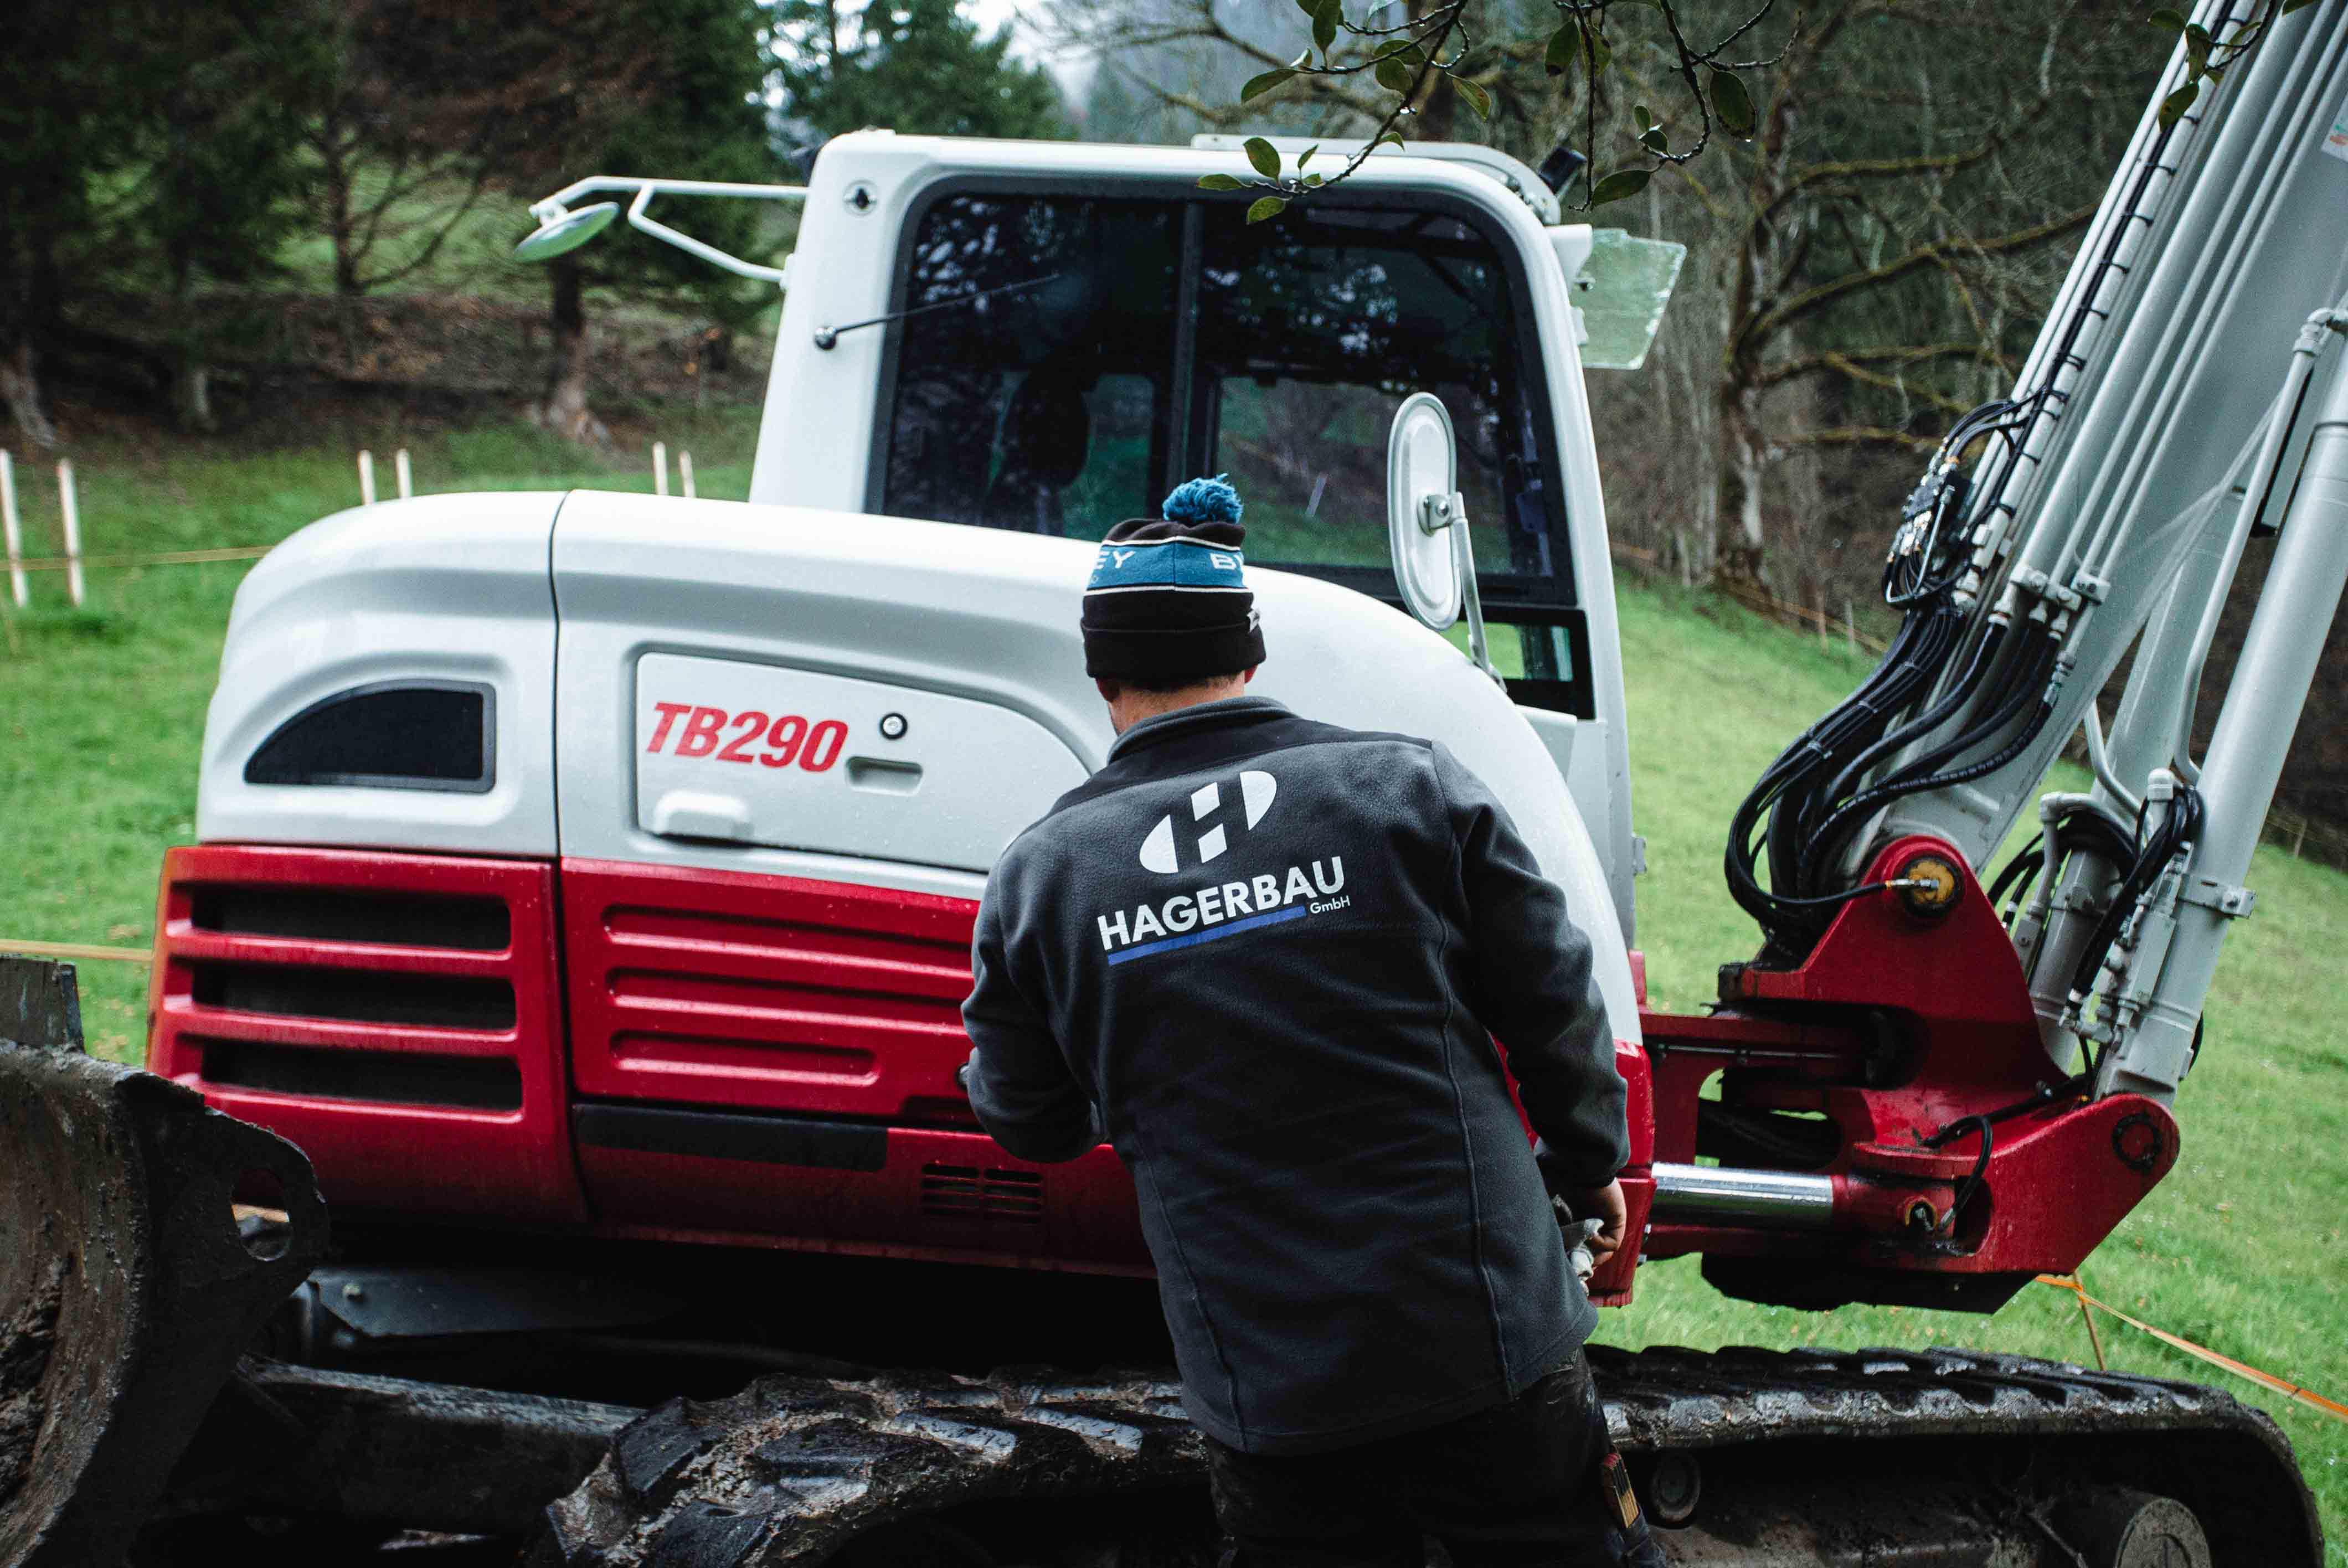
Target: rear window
x,y
1073,358
395,735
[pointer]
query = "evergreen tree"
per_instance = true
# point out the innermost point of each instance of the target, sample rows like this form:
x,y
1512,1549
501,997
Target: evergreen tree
x,y
918,67
548,92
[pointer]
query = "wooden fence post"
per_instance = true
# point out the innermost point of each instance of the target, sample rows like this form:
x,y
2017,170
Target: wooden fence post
x,y
685,472
660,468
399,469
1850,626
366,477
15,533
74,586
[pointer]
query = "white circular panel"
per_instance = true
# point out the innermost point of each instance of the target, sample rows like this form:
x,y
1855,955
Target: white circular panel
x,y
1422,460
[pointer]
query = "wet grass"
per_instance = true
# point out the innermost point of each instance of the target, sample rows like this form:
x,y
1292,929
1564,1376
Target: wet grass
x,y
2242,1249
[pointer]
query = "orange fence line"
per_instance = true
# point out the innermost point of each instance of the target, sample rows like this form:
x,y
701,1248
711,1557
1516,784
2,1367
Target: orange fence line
x,y
85,950
160,557
2290,1390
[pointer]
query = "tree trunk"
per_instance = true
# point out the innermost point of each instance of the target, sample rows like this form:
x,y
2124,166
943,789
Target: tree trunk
x,y
20,388
565,407
1744,447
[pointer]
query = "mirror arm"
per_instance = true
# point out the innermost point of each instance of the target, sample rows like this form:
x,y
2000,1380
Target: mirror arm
x,y
1472,598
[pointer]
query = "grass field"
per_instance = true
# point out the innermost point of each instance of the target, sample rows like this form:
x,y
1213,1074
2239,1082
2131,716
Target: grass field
x,y
2242,1249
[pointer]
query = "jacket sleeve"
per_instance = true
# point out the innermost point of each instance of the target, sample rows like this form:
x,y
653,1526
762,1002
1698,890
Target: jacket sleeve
x,y
1018,1078
1534,989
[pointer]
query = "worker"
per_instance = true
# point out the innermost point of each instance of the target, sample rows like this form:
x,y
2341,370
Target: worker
x,y
1266,958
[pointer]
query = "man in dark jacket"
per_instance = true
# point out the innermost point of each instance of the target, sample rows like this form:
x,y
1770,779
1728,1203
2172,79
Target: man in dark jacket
x,y
1266,958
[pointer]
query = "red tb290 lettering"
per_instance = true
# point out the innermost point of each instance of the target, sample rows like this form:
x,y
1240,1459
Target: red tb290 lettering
x,y
728,737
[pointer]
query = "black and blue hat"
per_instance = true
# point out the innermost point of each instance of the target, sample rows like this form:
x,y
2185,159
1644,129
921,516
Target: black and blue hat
x,y
1169,599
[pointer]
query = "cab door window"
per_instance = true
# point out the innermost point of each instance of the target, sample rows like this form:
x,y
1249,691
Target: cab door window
x,y
1032,388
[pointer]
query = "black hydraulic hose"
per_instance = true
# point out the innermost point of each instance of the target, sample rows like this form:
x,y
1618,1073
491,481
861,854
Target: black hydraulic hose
x,y
1790,764
1880,696
2182,827
1907,783
1924,723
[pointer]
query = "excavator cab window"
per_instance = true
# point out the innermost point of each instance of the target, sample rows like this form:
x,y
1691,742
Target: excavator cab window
x,y
1065,360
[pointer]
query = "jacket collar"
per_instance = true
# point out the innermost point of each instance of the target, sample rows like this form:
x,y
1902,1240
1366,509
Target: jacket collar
x,y
1198,716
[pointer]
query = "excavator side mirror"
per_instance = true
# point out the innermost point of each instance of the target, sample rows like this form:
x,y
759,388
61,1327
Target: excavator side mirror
x,y
1426,523
562,232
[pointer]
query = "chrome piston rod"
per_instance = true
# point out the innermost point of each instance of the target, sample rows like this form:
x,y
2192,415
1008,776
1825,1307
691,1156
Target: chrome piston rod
x,y
1774,1199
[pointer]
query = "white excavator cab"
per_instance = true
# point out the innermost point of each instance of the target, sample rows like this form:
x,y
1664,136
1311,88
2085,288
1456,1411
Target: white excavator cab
x,y
1046,338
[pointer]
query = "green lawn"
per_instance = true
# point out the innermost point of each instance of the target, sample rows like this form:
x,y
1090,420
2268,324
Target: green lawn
x,y
2242,1249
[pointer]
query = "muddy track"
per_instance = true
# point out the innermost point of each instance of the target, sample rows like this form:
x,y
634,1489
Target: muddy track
x,y
792,1469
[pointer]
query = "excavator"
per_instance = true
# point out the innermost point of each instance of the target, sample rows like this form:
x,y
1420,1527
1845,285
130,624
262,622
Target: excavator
x,y
583,890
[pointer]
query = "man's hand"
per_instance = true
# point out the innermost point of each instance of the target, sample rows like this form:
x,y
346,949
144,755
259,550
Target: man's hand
x,y
1605,1205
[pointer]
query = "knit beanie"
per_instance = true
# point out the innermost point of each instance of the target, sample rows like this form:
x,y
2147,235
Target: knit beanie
x,y
1168,599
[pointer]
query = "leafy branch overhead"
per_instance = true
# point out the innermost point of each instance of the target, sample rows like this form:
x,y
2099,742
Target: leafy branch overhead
x,y
1602,50
1413,57
2207,57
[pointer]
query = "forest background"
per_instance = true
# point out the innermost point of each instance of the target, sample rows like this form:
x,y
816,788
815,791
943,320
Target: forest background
x,y
246,224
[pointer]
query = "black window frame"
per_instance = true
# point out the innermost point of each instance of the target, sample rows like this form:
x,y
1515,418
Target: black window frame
x,y
1509,599
481,785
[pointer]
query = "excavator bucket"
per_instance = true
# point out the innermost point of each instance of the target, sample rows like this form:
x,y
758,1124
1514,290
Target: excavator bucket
x,y
127,1287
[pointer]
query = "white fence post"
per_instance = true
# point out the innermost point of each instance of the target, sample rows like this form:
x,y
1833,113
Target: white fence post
x,y
399,468
684,471
366,477
14,530
74,586
660,468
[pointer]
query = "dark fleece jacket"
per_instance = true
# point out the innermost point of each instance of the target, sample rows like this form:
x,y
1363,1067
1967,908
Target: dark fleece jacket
x,y
1269,958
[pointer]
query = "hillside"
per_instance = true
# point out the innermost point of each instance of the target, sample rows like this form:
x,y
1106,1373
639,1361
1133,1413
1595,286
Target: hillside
x,y
2242,1249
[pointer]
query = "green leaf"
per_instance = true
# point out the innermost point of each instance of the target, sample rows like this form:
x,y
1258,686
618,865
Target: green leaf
x,y
1474,96
1221,182
1621,183
1639,113
1267,207
1308,7
1306,156
2172,20
1264,156
1600,56
1731,103
2290,6
1258,85
1565,48
1392,135
1394,75
2197,50
1411,53
1312,180
1325,22
1653,140
2174,105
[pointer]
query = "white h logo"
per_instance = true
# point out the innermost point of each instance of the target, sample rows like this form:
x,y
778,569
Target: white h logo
x,y
1256,790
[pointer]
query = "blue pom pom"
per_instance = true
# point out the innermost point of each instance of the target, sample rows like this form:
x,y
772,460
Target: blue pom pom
x,y
1202,501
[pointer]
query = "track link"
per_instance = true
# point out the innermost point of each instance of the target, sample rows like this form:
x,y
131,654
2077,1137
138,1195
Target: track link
x,y
793,1470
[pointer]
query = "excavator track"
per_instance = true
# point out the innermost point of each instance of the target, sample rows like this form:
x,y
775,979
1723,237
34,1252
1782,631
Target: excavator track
x,y
1746,1455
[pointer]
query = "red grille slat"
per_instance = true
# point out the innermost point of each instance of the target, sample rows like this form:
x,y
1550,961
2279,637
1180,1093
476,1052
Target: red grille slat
x,y
371,1150
191,944
763,992
273,1029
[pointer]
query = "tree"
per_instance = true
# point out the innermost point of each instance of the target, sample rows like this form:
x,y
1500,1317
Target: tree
x,y
219,188
135,148
919,66
394,171
548,90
